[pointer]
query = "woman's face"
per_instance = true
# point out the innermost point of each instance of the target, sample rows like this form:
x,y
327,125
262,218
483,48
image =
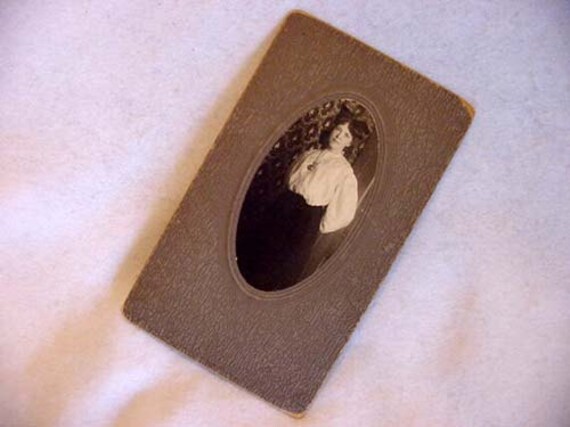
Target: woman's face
x,y
340,137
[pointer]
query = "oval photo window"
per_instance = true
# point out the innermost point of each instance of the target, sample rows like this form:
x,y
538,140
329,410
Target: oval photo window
x,y
304,197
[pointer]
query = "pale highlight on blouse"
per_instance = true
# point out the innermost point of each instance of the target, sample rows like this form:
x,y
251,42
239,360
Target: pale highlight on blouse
x,y
325,178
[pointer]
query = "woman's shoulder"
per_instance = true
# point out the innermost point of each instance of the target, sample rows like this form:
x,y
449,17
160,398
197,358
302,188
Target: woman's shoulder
x,y
340,161
307,153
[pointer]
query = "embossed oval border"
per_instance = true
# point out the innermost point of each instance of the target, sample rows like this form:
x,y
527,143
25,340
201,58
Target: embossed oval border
x,y
329,266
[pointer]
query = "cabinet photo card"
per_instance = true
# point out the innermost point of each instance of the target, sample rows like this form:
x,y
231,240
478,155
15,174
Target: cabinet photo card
x,y
298,212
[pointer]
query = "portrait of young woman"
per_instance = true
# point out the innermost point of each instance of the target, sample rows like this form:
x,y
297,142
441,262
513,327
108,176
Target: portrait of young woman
x,y
305,195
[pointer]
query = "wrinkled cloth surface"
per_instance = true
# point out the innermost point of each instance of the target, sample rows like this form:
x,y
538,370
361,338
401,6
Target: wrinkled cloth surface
x,y
107,110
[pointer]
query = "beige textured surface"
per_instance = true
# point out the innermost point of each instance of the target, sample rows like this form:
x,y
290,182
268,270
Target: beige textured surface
x,y
107,110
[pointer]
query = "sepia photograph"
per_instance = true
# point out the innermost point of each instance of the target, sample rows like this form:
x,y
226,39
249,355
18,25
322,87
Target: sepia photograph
x,y
305,195
298,212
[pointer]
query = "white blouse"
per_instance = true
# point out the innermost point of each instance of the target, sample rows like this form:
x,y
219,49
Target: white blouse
x,y
325,178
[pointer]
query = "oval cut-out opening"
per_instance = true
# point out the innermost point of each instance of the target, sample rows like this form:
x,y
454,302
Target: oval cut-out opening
x,y
304,197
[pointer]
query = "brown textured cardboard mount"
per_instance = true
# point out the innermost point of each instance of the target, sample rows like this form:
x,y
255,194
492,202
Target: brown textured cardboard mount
x,y
280,345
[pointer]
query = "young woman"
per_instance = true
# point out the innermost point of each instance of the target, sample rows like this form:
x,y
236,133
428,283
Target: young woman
x,y
325,178
321,197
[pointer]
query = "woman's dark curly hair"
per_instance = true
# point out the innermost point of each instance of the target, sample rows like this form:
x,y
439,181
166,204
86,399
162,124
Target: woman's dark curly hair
x,y
359,129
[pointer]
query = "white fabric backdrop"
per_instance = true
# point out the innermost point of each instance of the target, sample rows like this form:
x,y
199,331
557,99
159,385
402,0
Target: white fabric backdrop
x,y
107,109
